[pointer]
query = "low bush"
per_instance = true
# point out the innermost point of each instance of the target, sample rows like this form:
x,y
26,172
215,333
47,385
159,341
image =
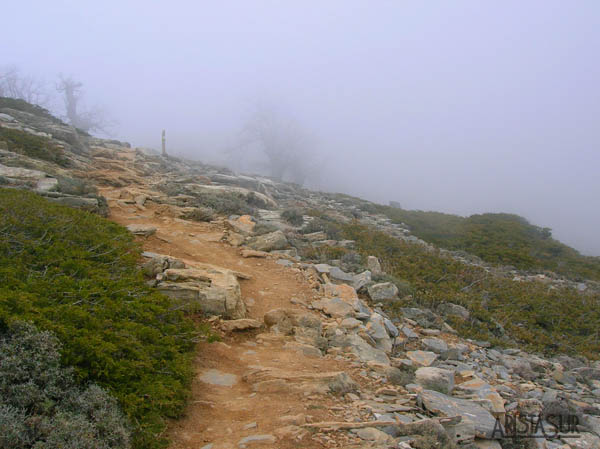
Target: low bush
x,y
293,217
33,146
42,406
23,106
226,203
76,275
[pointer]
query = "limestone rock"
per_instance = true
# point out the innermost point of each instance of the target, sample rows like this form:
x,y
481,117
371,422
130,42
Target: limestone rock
x,y
374,266
213,289
269,242
384,291
444,405
240,325
436,379
421,358
143,230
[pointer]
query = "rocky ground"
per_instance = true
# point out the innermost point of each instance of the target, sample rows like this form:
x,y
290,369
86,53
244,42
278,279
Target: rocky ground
x,y
307,358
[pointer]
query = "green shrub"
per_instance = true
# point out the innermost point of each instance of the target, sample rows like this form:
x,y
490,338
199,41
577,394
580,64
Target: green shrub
x,y
331,228
40,403
226,203
496,238
75,274
33,146
293,216
23,106
264,227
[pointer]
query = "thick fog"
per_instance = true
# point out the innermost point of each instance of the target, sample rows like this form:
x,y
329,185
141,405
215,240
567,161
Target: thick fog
x,y
462,107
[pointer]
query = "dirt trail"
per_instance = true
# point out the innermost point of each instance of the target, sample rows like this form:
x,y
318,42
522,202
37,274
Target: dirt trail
x,y
222,415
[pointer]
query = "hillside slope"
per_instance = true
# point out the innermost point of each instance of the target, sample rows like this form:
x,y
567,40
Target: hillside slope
x,y
340,326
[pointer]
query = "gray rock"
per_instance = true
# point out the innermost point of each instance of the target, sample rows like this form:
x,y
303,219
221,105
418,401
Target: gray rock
x,y
451,309
363,350
436,379
374,266
435,344
342,384
377,331
269,242
384,291
339,275
408,332
360,280
391,328
441,404
256,440
334,307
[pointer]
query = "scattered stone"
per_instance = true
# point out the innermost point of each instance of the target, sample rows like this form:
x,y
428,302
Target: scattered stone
x,y
435,345
216,377
256,440
143,230
384,291
240,325
421,358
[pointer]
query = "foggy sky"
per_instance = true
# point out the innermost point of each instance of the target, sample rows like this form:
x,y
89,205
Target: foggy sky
x,y
462,107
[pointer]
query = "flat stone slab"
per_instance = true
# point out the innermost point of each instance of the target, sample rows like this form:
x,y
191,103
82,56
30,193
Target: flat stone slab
x,y
256,440
216,377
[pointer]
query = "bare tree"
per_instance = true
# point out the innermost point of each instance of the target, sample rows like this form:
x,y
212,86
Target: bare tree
x,y
28,88
86,119
282,140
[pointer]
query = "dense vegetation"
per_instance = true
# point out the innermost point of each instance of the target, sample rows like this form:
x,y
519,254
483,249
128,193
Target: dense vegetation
x,y
33,146
530,314
75,274
542,319
41,406
505,239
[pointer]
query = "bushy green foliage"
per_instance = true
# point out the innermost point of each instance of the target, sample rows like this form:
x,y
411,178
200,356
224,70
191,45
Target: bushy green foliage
x,y
540,318
497,238
227,203
293,216
41,406
33,146
23,106
75,274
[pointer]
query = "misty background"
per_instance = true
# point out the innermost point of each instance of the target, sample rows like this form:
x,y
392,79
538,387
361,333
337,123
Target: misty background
x,y
461,107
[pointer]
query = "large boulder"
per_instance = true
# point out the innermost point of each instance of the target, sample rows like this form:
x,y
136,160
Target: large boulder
x,y
214,290
436,379
269,242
